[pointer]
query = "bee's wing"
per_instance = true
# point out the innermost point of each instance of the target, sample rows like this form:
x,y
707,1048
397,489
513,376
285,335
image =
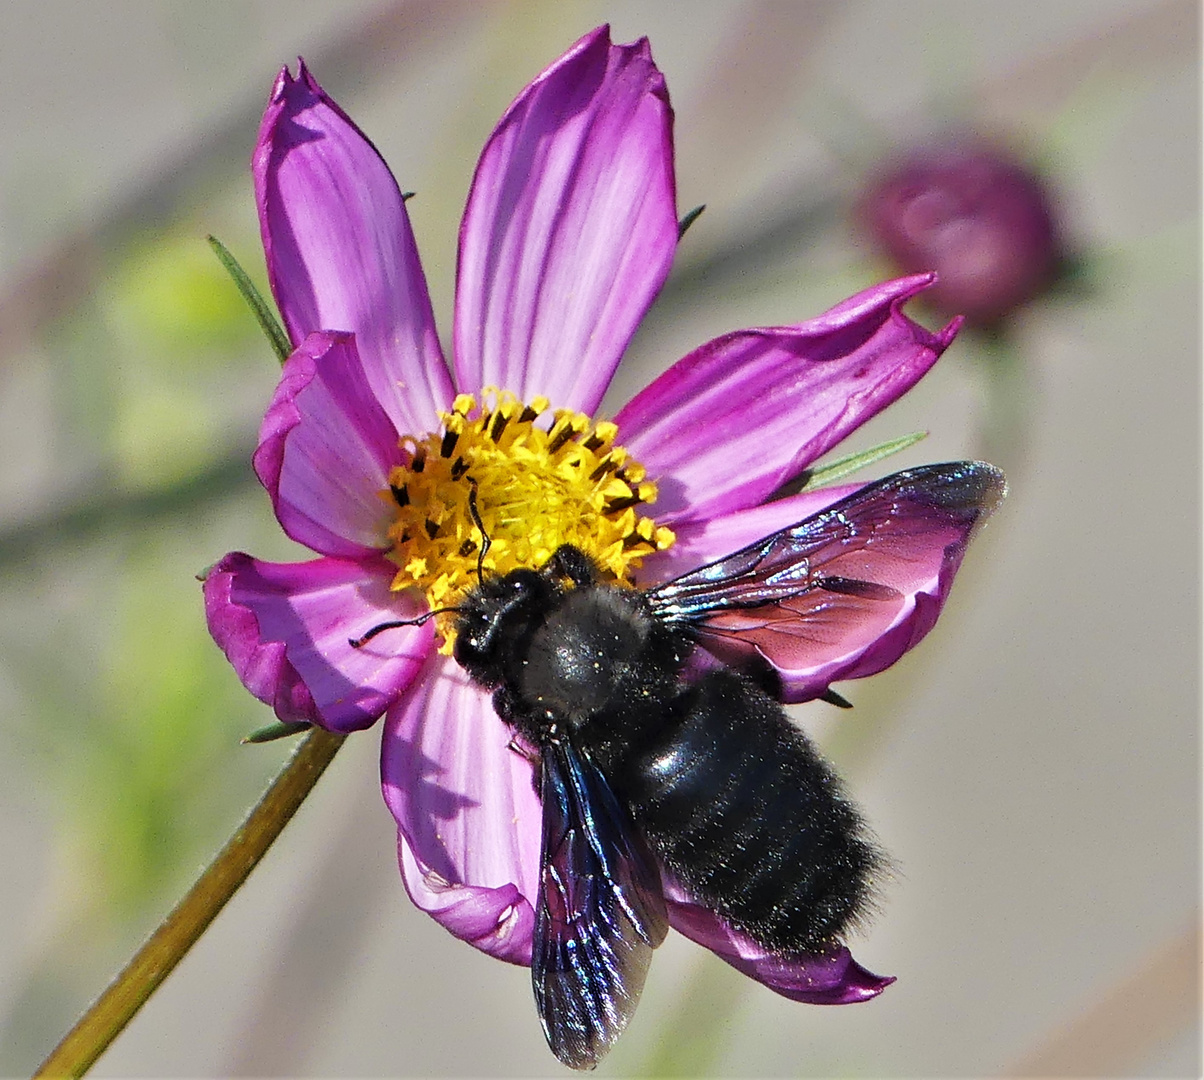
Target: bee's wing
x,y
800,596
601,911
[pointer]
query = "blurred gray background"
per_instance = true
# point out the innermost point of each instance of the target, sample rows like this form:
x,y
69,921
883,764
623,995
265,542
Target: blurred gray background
x,y
1033,767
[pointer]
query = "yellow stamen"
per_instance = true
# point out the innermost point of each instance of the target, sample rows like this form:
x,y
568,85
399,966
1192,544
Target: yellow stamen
x,y
536,489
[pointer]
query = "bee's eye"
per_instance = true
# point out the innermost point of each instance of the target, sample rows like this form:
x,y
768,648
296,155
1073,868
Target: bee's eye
x,y
474,649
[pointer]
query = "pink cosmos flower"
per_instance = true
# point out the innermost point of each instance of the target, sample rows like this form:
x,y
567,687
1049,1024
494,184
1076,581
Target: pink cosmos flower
x,y
568,235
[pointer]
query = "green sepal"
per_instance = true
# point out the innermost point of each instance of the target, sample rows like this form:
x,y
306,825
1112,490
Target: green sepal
x,y
689,220
833,698
851,463
281,729
260,308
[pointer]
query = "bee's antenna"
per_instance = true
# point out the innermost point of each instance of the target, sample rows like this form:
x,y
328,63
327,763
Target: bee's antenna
x,y
380,628
486,543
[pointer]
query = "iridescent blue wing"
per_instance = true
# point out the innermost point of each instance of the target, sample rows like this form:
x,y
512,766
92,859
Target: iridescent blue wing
x,y
601,911
807,595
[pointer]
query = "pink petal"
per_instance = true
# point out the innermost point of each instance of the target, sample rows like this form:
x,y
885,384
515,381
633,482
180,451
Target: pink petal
x,y
286,629
833,978
467,813
920,560
325,450
866,647
723,428
570,228
340,251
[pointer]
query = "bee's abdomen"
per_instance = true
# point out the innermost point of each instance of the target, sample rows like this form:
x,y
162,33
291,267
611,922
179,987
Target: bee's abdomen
x,y
748,817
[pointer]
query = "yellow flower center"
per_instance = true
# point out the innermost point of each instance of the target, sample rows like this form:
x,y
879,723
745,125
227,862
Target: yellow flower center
x,y
534,488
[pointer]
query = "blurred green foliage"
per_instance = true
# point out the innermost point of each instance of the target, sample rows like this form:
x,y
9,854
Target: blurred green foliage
x,y
176,324
171,299
124,708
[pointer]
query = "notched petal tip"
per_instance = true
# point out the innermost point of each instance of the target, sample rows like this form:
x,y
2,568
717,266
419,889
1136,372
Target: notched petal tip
x,y
339,248
908,289
284,79
304,80
891,294
948,332
744,413
307,76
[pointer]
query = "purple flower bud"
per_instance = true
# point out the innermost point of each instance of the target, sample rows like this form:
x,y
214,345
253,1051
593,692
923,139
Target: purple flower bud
x,y
968,210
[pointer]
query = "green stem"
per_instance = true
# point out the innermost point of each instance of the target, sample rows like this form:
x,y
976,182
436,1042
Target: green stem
x,y
168,945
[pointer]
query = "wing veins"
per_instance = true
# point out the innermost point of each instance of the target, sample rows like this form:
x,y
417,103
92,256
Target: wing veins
x,y
600,911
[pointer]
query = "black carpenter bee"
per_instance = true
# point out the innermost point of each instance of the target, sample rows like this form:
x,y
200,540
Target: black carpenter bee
x,y
644,771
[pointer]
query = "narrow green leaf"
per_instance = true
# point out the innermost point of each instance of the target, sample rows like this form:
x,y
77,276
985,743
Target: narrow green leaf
x,y
851,463
260,308
281,729
689,220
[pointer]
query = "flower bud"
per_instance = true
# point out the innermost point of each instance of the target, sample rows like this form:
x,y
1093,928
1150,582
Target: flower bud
x,y
968,210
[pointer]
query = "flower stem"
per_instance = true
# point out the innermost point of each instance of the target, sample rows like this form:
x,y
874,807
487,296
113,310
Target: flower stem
x,y
167,946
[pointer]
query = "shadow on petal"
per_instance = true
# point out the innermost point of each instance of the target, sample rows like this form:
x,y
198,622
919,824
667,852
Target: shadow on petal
x,y
439,804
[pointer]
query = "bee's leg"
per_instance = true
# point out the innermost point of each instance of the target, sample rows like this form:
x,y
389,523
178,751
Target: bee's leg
x,y
523,751
504,705
572,563
532,758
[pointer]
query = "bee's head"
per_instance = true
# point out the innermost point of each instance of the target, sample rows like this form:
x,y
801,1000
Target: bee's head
x,y
496,620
